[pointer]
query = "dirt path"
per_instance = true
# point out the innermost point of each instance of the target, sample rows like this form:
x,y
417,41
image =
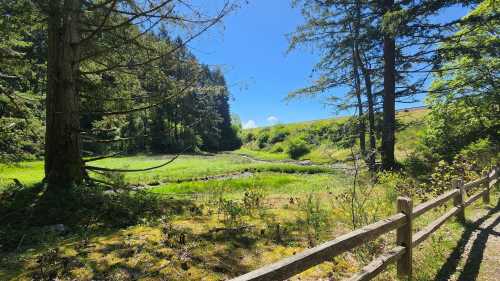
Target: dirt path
x,y
477,256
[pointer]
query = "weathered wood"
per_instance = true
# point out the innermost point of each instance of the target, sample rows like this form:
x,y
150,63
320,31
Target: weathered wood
x,y
376,266
402,221
493,176
474,197
295,264
493,182
404,238
486,195
459,199
441,199
428,230
475,183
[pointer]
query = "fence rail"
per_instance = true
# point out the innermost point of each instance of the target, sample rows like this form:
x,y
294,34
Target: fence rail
x,y
405,238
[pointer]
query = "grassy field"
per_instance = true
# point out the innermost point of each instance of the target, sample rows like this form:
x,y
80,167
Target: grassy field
x,y
221,228
247,193
186,167
196,166
220,216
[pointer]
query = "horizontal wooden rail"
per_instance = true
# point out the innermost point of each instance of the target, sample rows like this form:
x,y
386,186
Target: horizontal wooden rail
x,y
493,182
431,204
424,233
378,265
475,183
474,197
289,267
402,221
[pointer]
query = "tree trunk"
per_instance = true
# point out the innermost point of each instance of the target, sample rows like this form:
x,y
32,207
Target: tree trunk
x,y
361,120
389,117
371,112
368,88
371,120
357,80
63,162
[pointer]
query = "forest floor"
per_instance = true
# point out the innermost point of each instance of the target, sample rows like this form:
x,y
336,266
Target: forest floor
x,y
228,214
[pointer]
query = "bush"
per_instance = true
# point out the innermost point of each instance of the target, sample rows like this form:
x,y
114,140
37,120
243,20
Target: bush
x,y
253,199
262,140
232,211
297,149
417,166
315,218
482,153
20,140
278,136
249,137
278,149
398,184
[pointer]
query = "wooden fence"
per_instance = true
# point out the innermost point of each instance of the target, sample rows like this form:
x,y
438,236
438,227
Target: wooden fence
x,y
405,238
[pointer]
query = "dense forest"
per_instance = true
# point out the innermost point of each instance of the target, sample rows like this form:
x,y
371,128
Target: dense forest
x,y
169,105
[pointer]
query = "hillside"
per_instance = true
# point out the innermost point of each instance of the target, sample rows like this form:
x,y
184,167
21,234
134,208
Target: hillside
x,y
326,140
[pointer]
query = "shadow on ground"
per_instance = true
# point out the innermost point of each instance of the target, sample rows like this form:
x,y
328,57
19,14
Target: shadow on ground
x,y
474,256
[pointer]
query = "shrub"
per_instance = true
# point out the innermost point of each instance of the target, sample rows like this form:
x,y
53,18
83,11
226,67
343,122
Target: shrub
x,y
482,153
262,140
315,218
278,136
417,166
232,211
249,137
252,199
297,149
398,184
278,149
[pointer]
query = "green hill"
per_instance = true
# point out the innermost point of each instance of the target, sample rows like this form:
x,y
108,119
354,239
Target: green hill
x,y
327,140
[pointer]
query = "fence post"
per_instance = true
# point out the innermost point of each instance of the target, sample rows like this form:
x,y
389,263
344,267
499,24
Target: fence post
x,y
404,238
486,194
493,176
459,200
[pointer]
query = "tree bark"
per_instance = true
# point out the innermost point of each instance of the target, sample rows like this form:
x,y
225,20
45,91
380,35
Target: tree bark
x,y
371,112
371,121
368,88
63,162
389,116
361,120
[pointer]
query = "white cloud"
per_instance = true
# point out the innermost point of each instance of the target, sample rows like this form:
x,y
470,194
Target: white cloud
x,y
272,119
250,124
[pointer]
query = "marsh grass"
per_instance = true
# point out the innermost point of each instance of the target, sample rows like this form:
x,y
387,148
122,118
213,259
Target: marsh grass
x,y
186,167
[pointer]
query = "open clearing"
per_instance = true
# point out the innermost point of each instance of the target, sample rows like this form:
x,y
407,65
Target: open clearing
x,y
226,215
185,168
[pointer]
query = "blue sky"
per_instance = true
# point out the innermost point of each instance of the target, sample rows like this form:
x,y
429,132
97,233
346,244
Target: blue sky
x,y
251,50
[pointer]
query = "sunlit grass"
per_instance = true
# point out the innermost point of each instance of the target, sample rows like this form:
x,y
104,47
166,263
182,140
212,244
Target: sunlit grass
x,y
186,167
271,183
261,154
27,173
